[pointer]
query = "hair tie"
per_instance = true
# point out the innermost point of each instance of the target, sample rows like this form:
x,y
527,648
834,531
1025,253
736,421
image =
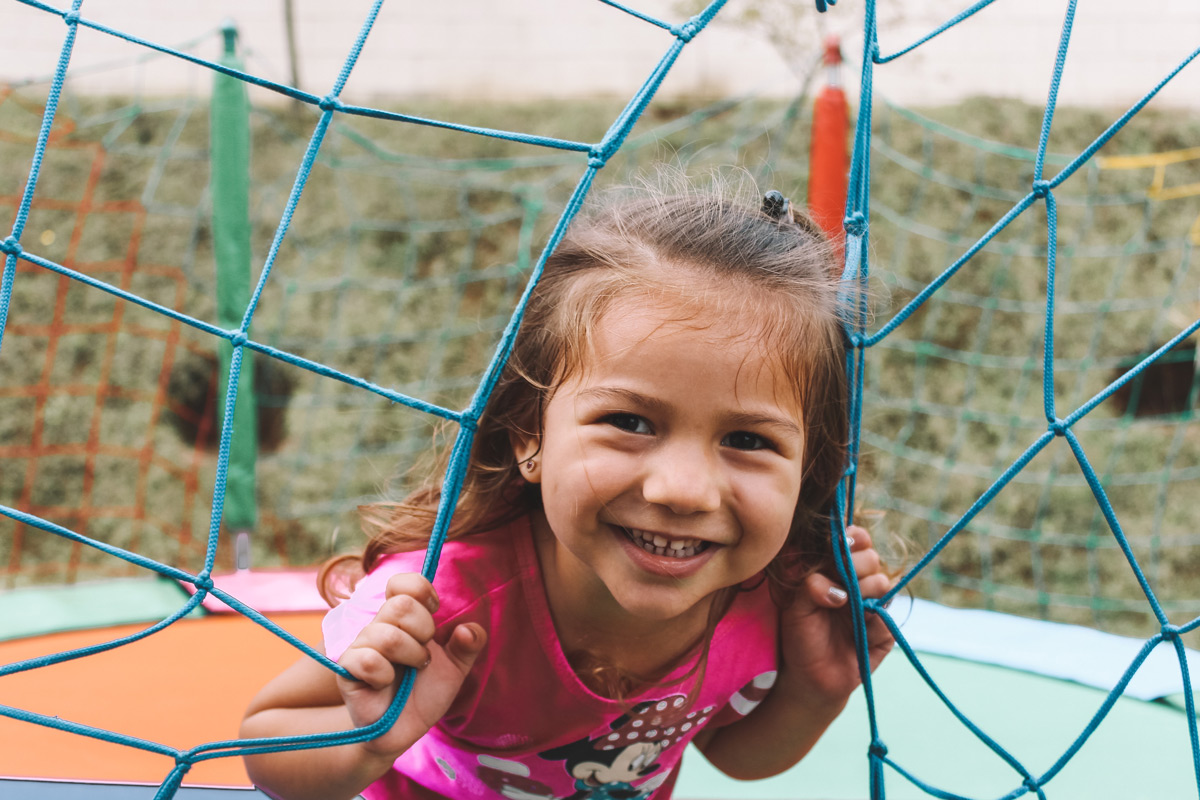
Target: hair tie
x,y
777,207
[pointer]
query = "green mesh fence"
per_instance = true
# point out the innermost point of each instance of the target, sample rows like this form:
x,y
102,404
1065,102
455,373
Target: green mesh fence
x,y
950,395
955,394
934,437
402,266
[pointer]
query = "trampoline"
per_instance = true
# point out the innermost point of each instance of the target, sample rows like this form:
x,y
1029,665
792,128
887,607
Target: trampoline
x,y
1031,683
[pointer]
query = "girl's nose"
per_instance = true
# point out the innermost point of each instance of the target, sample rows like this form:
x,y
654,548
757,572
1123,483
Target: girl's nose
x,y
684,480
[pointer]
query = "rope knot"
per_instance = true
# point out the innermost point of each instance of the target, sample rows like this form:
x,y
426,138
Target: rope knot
x,y
1059,427
687,31
11,247
855,224
597,157
1041,188
329,103
239,338
468,422
878,749
71,17
1170,632
1031,784
203,583
856,340
823,5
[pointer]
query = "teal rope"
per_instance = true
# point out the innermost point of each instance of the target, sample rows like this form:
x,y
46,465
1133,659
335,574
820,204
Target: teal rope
x,y
938,31
856,269
329,105
11,246
856,276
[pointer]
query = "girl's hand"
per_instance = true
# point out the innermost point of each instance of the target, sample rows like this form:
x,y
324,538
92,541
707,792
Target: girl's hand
x,y
402,635
816,633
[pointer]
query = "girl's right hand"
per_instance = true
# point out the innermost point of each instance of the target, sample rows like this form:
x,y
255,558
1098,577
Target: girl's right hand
x,y
402,635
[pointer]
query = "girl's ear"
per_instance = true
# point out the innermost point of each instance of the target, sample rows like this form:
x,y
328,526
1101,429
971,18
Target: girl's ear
x,y
527,450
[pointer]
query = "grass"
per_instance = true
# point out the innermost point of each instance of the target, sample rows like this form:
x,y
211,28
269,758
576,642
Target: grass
x,y
406,254
955,394
402,263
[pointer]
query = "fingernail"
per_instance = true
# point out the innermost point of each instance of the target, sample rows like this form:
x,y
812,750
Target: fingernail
x,y
849,541
428,659
838,594
432,604
472,637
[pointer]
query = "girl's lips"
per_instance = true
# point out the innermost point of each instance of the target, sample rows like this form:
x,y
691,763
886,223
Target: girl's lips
x,y
670,566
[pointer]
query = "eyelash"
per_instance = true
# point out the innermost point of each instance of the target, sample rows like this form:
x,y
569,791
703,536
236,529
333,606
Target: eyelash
x,y
760,442
630,422
615,419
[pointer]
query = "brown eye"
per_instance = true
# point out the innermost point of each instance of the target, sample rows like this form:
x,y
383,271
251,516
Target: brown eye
x,y
628,422
743,440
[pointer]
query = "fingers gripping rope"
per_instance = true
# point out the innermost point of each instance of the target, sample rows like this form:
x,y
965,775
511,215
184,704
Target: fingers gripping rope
x,y
598,155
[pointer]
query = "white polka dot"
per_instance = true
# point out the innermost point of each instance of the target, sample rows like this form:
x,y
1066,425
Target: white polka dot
x,y
662,706
689,716
701,722
741,704
651,734
637,723
612,737
504,765
608,747
632,735
447,770
678,702
708,710
686,726
766,680
669,731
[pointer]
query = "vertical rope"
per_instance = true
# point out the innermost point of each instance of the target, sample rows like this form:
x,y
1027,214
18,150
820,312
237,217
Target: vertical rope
x,y
856,275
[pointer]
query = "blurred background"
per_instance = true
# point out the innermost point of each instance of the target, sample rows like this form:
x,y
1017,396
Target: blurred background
x,y
410,244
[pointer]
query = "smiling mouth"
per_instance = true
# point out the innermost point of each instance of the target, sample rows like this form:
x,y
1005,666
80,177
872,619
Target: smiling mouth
x,y
660,545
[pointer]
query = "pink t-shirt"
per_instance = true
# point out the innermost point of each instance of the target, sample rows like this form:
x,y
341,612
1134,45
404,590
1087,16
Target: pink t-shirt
x,y
524,726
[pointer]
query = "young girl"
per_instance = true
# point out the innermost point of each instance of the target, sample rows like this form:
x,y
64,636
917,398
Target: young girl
x,y
641,554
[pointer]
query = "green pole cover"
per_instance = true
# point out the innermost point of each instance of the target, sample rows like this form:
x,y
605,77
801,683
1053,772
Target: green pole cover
x,y
230,148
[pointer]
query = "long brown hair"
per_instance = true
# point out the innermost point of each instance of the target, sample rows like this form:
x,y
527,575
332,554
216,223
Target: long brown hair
x,y
780,274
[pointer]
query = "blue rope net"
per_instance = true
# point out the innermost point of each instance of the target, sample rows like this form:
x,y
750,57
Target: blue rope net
x,y
595,155
1058,425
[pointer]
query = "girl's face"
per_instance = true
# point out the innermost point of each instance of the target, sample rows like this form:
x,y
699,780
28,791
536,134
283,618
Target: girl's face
x,y
670,466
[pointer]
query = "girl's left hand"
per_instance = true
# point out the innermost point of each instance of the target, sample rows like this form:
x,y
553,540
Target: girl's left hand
x,y
816,631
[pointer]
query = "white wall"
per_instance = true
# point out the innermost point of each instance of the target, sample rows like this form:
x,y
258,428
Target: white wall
x,y
521,48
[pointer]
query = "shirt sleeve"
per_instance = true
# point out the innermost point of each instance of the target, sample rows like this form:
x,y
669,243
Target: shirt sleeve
x,y
344,621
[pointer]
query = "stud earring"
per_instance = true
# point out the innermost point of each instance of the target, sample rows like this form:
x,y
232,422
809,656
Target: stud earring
x,y
530,464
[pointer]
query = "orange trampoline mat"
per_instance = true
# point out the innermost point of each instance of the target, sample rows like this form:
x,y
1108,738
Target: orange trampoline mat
x,y
183,686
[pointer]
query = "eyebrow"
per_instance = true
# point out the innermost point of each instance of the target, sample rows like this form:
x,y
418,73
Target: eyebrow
x,y
616,393
738,419
766,420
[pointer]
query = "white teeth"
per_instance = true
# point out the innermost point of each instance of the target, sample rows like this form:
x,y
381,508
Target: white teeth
x,y
660,545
